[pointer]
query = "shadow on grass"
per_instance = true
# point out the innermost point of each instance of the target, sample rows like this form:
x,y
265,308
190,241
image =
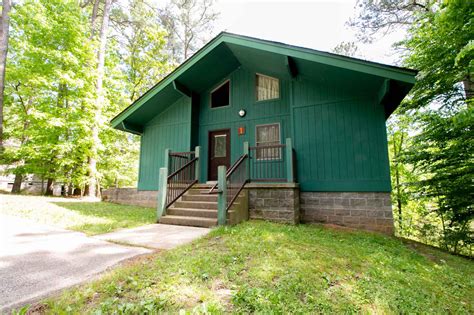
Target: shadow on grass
x,y
109,216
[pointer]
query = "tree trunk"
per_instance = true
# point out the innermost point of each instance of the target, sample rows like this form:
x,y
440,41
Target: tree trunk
x,y
77,191
49,187
99,100
468,87
16,188
95,8
69,189
4,35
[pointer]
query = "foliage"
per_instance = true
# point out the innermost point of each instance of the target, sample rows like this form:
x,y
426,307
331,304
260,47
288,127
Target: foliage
x,y
57,119
349,49
144,54
49,88
88,217
189,23
440,46
259,267
433,163
376,18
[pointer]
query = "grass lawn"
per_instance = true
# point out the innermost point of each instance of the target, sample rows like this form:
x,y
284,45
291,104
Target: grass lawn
x,y
88,217
271,268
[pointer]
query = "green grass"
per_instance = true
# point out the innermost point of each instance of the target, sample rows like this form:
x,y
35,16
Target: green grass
x,y
88,217
271,268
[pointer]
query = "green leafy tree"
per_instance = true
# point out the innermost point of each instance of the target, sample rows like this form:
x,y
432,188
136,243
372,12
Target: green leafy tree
x,y
49,84
440,46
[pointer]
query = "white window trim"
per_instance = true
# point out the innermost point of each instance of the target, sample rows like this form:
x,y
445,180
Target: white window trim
x,y
279,140
215,89
269,99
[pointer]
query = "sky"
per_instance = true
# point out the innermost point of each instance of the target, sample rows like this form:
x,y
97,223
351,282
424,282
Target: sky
x,y
317,24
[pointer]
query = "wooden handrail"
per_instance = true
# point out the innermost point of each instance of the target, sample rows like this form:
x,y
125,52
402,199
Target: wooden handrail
x,y
229,171
181,168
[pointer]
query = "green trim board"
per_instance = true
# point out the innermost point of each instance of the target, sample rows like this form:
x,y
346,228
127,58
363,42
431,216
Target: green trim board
x,y
221,55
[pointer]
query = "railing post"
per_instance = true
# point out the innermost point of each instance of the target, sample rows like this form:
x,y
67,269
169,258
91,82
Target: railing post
x,y
166,161
246,151
290,177
197,153
162,191
222,195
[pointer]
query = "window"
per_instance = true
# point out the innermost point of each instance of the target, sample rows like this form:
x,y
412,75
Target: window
x,y
220,97
268,138
220,143
268,88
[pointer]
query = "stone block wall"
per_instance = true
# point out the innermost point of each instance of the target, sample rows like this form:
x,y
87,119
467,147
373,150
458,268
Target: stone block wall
x,y
131,196
274,202
368,211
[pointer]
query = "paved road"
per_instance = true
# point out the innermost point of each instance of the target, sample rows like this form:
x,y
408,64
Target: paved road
x,y
37,260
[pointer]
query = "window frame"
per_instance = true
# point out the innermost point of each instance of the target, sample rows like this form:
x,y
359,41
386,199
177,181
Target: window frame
x,y
280,157
215,89
256,88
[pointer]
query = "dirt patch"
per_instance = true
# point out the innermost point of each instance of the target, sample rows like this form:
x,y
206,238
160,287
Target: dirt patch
x,y
36,309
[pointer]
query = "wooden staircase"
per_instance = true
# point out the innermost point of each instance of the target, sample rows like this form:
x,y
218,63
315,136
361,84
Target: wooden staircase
x,y
199,208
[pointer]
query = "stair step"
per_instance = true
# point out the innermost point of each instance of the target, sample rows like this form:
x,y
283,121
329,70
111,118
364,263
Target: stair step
x,y
200,197
196,205
196,191
192,212
188,221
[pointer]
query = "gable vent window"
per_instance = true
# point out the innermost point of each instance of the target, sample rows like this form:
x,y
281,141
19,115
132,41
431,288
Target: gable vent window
x,y
268,88
220,97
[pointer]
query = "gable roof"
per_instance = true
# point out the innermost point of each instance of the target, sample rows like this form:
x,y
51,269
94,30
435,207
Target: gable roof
x,y
228,51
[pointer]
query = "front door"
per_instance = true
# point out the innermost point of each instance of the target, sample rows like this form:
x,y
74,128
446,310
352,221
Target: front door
x,y
219,151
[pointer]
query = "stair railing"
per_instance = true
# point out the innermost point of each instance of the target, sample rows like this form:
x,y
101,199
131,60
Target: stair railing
x,y
229,185
184,169
180,181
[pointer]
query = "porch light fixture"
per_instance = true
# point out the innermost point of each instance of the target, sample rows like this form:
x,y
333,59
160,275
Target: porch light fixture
x,y
242,112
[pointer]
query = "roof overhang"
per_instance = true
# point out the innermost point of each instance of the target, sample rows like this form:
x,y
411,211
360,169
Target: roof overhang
x,y
226,52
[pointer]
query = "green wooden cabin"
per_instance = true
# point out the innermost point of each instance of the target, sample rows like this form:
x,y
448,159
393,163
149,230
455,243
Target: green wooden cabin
x,y
239,89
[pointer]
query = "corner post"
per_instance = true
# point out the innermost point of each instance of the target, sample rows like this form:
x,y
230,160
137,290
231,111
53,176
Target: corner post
x,y
222,196
246,151
162,191
290,178
197,154
166,161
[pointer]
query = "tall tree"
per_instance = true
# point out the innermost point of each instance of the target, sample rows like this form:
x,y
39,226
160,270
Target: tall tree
x,y
4,35
440,46
189,23
144,56
91,189
48,103
375,18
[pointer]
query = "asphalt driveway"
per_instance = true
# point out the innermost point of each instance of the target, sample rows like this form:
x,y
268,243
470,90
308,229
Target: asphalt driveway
x,y
38,260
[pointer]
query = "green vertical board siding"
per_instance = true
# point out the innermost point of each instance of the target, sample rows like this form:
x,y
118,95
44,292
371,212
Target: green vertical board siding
x,y
339,138
242,96
171,129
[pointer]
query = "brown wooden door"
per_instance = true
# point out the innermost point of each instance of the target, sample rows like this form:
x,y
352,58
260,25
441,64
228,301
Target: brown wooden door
x,y
219,151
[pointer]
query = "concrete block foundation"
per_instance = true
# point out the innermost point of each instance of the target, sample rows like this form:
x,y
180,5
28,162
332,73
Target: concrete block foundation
x,y
367,211
274,202
131,196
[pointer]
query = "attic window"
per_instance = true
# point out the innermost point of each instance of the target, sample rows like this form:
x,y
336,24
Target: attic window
x,y
267,88
220,96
